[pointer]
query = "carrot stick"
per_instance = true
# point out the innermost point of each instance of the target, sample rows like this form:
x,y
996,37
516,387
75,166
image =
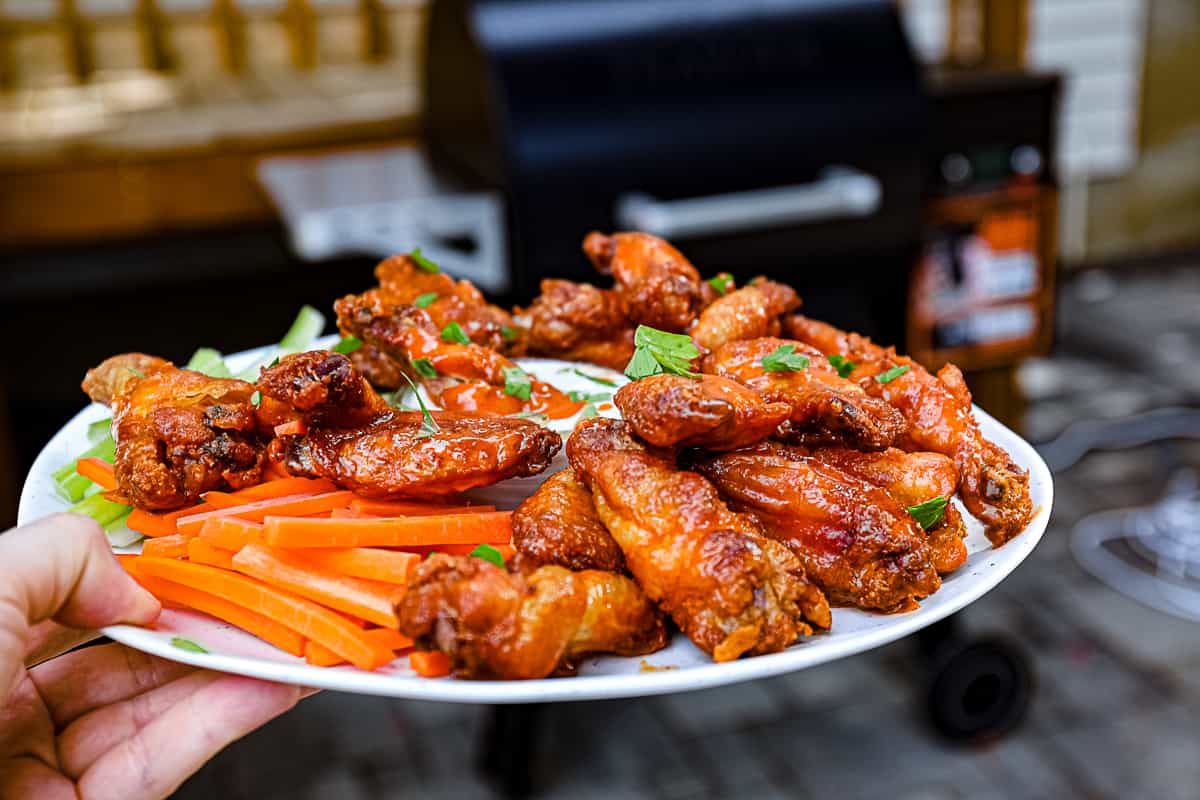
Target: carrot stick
x,y
282,487
98,471
349,513
321,656
150,523
489,526
230,533
373,601
295,427
389,566
252,622
429,663
215,500
305,617
173,546
404,508
297,505
202,551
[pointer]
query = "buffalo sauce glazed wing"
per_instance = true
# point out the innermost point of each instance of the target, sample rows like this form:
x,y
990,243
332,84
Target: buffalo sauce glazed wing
x,y
558,524
747,313
656,285
178,433
360,443
857,542
577,322
512,626
731,590
993,487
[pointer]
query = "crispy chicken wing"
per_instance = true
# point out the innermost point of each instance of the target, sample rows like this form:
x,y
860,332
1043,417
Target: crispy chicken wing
x,y
178,433
856,542
494,624
470,378
747,313
359,442
711,412
732,591
577,322
993,487
558,524
657,286
824,406
910,478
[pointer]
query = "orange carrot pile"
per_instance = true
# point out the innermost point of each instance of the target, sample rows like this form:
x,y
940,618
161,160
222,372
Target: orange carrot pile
x,y
313,570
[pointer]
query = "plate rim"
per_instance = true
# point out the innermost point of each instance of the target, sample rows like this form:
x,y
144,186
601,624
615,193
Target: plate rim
x,y
658,681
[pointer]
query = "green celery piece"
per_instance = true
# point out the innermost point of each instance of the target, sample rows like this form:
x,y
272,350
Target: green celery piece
x,y
73,488
105,448
210,362
99,509
308,326
99,429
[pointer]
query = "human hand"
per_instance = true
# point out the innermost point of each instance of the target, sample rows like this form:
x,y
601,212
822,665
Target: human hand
x,y
105,721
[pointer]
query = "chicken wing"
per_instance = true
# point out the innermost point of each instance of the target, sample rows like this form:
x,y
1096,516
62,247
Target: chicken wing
x,y
710,411
856,542
577,322
910,478
824,406
359,442
470,378
732,591
178,433
558,524
751,312
657,286
494,624
993,487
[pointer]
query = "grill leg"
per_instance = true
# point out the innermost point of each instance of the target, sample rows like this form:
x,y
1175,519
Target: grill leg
x,y
509,747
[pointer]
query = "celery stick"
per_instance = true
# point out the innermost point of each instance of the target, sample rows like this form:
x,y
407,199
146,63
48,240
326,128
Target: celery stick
x,y
210,362
105,448
99,509
99,429
308,326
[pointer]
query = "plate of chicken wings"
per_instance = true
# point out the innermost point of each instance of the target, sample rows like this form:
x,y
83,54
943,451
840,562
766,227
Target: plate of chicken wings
x,y
696,484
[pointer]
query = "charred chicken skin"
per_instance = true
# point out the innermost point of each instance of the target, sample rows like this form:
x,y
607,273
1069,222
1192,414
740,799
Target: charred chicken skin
x,y
751,312
855,540
178,433
710,411
577,322
731,590
657,286
357,441
558,524
494,624
994,488
824,406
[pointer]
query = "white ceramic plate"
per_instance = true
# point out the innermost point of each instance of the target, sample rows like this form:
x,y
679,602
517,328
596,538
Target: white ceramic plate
x,y
678,668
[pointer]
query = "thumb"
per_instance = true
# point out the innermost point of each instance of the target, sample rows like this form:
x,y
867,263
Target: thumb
x,y
61,568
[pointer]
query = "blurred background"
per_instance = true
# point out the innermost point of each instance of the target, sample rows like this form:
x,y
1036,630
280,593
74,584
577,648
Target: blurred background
x,y
1013,185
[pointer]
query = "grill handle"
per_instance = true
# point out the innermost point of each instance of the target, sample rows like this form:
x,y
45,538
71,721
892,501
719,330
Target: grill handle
x,y
840,192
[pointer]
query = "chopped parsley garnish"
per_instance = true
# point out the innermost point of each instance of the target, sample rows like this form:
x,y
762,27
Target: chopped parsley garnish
x,y
784,359
843,365
429,425
929,513
508,333
453,332
721,282
187,644
892,374
274,362
347,345
489,554
584,397
256,399
423,262
424,367
137,373
517,383
589,411
592,378
425,300
656,352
